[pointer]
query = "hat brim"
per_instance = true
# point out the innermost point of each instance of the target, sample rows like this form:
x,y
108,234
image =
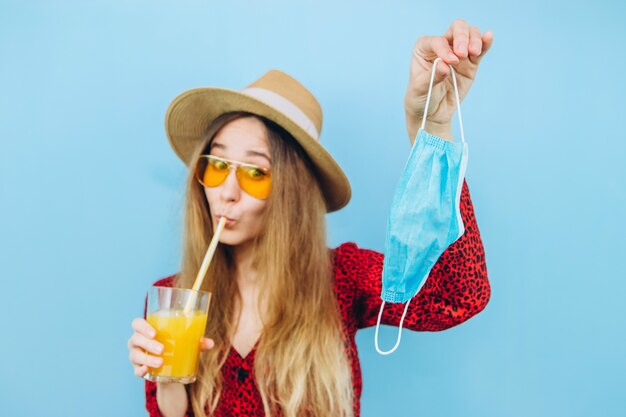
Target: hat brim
x,y
189,115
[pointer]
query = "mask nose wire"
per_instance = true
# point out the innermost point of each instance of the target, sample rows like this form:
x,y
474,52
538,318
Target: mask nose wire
x,y
458,106
456,93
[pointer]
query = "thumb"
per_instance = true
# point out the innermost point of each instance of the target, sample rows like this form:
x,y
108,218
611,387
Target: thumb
x,y
441,73
426,50
206,344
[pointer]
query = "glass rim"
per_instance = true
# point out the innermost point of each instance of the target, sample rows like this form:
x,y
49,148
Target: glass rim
x,y
182,289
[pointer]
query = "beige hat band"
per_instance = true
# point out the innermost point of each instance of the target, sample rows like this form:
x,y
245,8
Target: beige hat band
x,y
284,106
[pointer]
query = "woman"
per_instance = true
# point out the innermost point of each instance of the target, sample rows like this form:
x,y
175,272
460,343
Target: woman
x,y
285,308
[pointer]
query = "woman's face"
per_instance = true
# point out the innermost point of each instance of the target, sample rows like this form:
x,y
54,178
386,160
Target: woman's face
x,y
241,140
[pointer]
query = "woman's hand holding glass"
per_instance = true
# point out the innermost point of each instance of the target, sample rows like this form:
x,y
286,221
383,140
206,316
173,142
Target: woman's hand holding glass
x,y
144,349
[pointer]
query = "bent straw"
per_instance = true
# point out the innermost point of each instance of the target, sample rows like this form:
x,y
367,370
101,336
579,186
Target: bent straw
x,y
205,263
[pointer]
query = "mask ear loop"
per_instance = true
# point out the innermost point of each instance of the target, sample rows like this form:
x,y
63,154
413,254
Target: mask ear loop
x,y
456,93
380,314
458,106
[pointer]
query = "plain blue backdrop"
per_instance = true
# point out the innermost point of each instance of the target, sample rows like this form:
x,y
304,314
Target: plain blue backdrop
x,y
91,193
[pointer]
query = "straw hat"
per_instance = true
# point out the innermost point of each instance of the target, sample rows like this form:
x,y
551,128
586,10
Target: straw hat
x,y
276,96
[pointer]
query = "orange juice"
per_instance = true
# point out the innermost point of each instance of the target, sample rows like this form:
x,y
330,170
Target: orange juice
x,y
180,335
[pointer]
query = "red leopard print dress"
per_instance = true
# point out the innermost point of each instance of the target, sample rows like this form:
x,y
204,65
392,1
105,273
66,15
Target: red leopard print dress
x,y
456,289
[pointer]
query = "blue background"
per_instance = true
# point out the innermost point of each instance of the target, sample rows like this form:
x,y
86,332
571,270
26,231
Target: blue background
x,y
91,194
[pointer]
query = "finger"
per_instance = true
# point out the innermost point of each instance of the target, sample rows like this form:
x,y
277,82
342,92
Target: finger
x,y
206,344
139,358
475,42
428,48
438,47
458,35
487,41
143,327
151,345
140,371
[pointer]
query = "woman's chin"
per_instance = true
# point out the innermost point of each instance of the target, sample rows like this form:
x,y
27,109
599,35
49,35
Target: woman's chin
x,y
230,239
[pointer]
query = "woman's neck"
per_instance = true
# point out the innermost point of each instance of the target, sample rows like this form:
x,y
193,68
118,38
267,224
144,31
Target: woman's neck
x,y
247,281
246,275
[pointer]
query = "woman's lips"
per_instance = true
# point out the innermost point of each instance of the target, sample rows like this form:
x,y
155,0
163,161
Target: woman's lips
x,y
229,222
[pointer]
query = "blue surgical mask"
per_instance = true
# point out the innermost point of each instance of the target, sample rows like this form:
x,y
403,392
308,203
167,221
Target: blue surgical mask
x,y
425,215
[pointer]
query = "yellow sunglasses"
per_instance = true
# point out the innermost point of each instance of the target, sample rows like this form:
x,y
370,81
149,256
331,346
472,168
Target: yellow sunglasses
x,y
211,171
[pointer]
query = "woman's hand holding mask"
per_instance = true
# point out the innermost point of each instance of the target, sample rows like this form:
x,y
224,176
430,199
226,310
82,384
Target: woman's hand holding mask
x,y
462,46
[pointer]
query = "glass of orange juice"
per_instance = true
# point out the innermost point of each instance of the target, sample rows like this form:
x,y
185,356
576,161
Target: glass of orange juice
x,y
179,317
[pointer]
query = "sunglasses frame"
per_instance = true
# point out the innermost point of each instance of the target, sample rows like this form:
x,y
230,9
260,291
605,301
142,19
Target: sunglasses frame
x,y
230,165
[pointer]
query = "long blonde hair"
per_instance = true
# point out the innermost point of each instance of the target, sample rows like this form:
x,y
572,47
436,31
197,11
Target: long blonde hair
x,y
301,367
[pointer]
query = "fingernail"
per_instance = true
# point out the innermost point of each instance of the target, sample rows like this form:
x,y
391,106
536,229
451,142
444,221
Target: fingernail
x,y
158,348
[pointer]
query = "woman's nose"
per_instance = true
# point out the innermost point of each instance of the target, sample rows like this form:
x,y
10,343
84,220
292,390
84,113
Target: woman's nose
x,y
230,188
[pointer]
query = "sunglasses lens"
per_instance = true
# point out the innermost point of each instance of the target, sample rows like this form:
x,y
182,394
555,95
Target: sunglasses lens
x,y
211,172
254,181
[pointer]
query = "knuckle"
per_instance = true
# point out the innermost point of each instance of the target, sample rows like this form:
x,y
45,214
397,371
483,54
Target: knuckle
x,y
134,340
149,331
139,325
155,347
420,41
137,357
138,340
460,21
146,328
440,41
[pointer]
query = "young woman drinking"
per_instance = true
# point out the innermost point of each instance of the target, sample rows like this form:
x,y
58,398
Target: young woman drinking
x,y
280,335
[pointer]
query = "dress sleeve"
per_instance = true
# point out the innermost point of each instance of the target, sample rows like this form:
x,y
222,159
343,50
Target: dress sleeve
x,y
151,387
456,289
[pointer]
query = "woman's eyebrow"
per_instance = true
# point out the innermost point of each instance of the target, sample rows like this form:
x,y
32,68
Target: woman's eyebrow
x,y
217,145
252,153
248,153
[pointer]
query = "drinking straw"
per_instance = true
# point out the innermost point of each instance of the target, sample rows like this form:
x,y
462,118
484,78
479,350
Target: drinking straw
x,y
205,263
